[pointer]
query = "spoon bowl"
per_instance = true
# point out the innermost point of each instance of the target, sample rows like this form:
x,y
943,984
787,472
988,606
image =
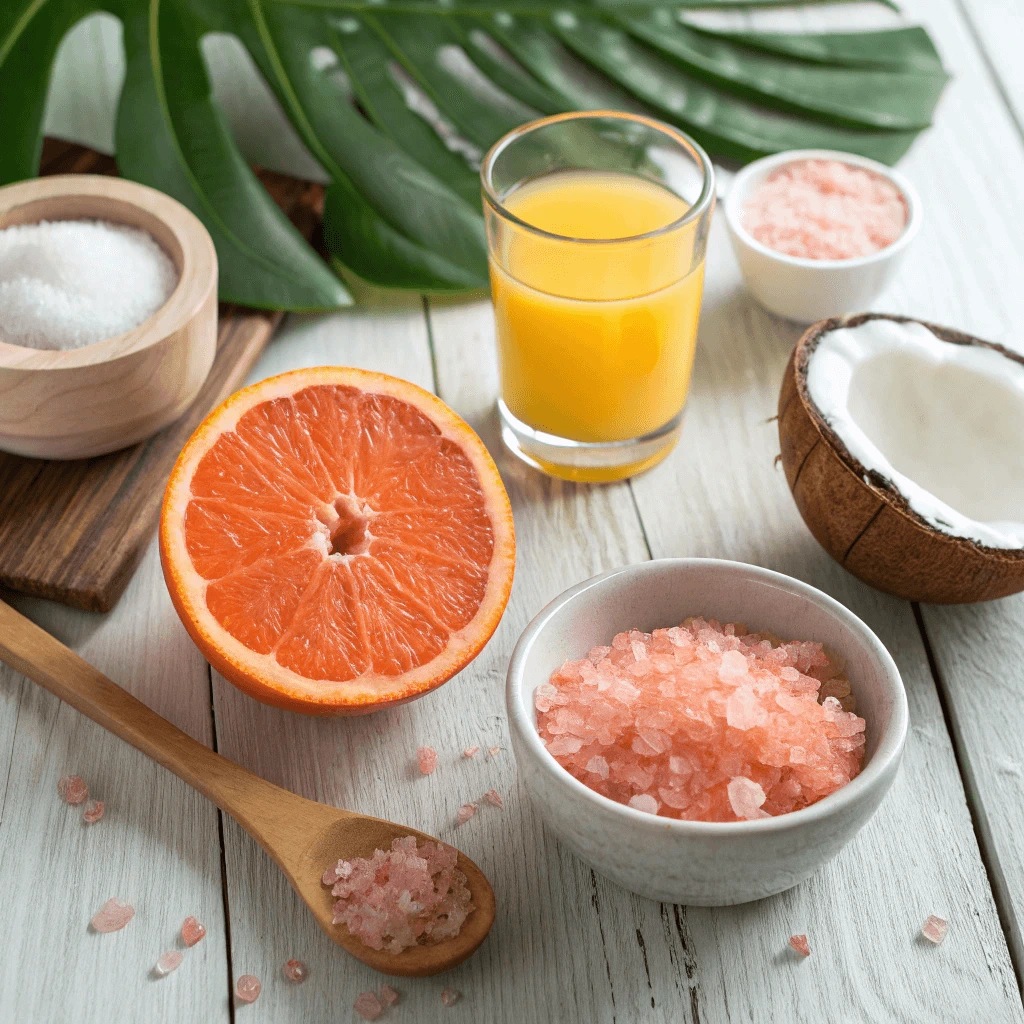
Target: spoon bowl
x,y
302,837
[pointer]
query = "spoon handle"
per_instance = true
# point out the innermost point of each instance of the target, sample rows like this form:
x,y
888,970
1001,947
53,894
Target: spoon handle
x,y
246,797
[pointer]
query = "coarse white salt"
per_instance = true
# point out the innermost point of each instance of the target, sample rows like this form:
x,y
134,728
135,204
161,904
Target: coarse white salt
x,y
67,284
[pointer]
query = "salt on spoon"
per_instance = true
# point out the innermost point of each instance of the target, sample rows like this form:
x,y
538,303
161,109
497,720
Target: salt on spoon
x,y
67,284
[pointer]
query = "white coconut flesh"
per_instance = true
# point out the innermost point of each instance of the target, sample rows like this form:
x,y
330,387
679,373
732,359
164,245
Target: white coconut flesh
x,y
943,422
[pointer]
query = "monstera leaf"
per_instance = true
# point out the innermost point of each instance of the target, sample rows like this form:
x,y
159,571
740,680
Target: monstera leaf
x,y
398,99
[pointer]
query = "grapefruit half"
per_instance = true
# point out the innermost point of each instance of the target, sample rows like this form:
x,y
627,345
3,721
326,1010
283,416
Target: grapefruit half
x,y
336,541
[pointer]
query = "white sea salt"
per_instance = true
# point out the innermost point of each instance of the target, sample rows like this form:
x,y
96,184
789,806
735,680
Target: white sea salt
x,y
66,284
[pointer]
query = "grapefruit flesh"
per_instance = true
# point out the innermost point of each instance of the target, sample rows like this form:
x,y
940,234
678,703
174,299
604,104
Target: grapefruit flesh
x,y
336,541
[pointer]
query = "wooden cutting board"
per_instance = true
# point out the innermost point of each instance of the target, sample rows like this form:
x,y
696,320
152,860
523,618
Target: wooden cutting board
x,y
75,531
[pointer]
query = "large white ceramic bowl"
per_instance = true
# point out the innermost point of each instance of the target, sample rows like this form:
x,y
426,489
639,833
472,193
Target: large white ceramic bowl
x,y
808,290
703,863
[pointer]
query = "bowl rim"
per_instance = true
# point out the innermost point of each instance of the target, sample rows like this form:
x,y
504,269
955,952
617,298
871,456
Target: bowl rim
x,y
743,180
198,264
886,756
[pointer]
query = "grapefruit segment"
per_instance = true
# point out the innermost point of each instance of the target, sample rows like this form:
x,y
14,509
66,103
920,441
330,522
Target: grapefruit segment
x,y
336,540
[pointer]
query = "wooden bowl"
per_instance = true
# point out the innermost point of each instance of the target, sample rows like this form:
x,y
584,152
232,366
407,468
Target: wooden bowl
x,y
108,395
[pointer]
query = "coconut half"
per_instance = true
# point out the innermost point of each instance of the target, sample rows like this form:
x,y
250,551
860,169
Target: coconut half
x,y
903,445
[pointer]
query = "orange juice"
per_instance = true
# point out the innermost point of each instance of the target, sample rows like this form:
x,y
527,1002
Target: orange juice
x,y
596,328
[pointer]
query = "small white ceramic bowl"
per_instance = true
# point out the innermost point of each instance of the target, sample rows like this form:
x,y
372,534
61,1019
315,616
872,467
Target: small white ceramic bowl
x,y
690,862
809,290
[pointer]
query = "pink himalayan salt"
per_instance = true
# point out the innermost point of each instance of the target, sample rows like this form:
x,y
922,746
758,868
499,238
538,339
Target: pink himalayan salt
x,y
340,870
450,996
112,916
465,812
470,751
295,970
191,931
494,751
678,715
388,996
825,210
93,812
247,988
368,1006
493,797
169,961
934,929
72,790
799,943
408,895
427,759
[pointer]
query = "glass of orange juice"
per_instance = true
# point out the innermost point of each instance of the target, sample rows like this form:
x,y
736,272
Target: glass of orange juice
x,y
597,224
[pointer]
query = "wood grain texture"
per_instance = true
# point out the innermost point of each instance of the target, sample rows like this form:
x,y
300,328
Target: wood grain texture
x,y
75,531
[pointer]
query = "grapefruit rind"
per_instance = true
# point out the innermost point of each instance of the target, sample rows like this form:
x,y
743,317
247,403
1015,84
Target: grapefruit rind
x,y
261,676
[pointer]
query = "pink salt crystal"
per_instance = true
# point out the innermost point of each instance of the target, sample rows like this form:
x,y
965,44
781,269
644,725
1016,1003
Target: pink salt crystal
x,y
169,961
643,802
340,870
295,970
799,943
450,996
412,893
494,751
825,210
191,931
934,929
470,751
388,996
112,916
493,797
746,798
72,789
466,811
368,1006
247,988
93,812
679,714
427,758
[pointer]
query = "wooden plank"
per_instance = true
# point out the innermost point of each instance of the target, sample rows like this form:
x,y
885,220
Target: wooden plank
x,y
979,649
157,845
75,531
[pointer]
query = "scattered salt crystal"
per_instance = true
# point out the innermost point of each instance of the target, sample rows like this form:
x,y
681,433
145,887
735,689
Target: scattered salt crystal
x,y
71,788
450,996
713,723
295,970
65,284
825,210
493,797
247,988
494,751
427,759
388,996
93,812
934,929
191,931
112,916
643,802
466,811
412,893
368,1006
169,961
799,943
746,798
470,751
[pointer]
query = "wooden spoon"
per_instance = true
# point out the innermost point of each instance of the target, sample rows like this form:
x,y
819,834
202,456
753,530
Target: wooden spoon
x,y
302,836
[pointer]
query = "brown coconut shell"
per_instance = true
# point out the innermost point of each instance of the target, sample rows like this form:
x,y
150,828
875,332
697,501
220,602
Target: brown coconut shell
x,y
860,518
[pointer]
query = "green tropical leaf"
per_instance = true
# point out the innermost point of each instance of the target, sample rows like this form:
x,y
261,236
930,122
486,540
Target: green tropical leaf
x,y
399,99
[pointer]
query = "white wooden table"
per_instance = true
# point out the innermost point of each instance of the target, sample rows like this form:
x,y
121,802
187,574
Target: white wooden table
x,y
567,946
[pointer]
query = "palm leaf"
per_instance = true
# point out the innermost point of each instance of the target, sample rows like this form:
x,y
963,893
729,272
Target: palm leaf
x,y
399,99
